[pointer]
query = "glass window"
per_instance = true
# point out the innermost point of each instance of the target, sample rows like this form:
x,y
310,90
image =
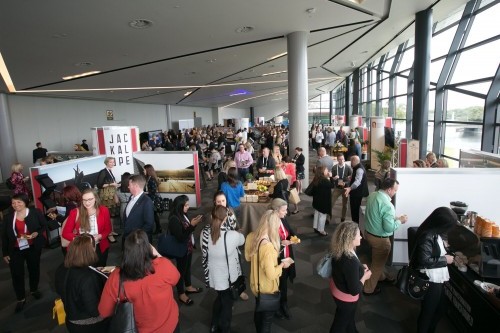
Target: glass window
x,y
432,104
451,19
430,135
401,85
462,107
461,136
374,92
400,128
388,63
400,104
481,88
385,88
407,59
435,70
485,25
385,107
440,44
478,63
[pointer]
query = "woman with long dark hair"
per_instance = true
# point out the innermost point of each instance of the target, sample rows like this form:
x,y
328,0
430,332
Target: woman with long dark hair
x,y
80,287
90,218
223,265
181,227
322,198
430,257
22,242
148,281
152,183
73,199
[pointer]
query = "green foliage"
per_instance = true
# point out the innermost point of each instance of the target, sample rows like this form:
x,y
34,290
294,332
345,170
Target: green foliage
x,y
471,113
385,155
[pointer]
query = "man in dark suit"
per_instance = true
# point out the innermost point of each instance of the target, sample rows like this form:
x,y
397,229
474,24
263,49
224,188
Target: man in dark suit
x,y
39,152
358,189
139,213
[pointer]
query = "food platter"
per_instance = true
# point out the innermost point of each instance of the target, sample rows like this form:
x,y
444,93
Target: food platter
x,y
486,286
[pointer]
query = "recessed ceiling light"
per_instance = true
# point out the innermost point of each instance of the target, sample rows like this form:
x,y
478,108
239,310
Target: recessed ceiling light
x,y
211,60
244,29
273,73
364,52
311,10
80,75
84,64
140,24
188,93
277,56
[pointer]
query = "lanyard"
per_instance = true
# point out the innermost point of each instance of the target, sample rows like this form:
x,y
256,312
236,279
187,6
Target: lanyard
x,y
14,222
111,174
343,168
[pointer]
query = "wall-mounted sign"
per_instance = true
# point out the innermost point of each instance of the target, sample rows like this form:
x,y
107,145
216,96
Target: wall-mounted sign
x,y
109,115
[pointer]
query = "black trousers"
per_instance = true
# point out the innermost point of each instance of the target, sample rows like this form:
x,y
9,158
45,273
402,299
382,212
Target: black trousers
x,y
432,309
100,327
355,204
32,258
284,286
344,317
263,321
184,268
103,257
222,310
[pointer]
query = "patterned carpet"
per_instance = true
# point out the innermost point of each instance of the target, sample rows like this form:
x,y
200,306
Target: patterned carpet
x,y
310,302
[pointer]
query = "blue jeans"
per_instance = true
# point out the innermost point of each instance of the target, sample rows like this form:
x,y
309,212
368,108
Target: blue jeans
x,y
242,172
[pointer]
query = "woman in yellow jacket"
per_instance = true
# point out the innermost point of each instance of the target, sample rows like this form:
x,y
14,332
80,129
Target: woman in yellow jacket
x,y
262,248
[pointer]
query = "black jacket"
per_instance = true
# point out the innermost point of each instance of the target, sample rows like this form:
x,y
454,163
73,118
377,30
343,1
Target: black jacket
x,y
291,269
347,273
427,253
299,162
281,190
322,196
35,222
141,217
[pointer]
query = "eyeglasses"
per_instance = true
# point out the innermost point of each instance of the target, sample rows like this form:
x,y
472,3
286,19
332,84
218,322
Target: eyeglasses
x,y
88,200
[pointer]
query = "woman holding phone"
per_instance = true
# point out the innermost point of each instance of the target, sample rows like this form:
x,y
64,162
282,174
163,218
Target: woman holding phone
x,y
181,227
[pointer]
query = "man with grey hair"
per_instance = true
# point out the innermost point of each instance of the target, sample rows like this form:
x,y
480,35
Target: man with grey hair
x,y
324,159
358,189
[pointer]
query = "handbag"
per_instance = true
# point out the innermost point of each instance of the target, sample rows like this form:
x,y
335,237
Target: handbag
x,y
238,286
309,190
265,302
324,267
170,247
123,319
294,196
411,282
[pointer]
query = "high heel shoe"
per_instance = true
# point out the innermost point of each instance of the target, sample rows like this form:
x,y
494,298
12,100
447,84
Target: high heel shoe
x,y
20,306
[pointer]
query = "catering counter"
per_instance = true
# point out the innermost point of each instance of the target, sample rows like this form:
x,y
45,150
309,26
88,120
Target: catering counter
x,y
468,306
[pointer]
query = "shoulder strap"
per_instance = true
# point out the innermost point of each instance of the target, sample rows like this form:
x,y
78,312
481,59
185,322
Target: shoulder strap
x,y
227,260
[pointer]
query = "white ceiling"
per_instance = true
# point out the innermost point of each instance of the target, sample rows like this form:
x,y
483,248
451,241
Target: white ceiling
x,y
193,44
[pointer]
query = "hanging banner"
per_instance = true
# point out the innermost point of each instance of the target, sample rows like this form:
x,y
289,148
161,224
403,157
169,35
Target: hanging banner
x,y
119,142
377,139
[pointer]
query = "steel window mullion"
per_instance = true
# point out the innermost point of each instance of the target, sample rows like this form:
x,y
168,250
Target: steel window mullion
x,y
488,142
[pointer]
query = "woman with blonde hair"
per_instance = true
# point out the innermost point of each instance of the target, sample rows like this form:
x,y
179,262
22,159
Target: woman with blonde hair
x,y
90,218
262,249
281,187
348,276
18,180
107,184
277,154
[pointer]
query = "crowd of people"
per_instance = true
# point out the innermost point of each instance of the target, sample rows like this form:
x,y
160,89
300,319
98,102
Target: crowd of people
x,y
146,278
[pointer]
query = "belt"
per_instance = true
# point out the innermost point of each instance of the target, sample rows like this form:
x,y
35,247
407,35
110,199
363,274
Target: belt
x,y
377,235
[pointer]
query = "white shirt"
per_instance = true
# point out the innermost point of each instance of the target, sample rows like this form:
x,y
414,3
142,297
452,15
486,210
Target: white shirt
x,y
131,203
440,274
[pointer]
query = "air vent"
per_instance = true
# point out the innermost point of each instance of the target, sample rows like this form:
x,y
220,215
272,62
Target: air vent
x,y
244,29
140,24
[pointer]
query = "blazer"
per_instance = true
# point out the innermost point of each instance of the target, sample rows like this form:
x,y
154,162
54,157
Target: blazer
x,y
291,269
345,176
72,227
35,222
141,217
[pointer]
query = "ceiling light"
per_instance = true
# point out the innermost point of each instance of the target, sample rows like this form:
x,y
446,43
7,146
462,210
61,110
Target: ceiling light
x,y
273,73
84,64
276,99
188,93
140,24
244,29
6,76
282,93
211,60
277,56
80,75
311,10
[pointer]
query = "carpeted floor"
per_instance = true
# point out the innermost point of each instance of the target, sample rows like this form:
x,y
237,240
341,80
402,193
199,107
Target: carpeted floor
x,y
311,304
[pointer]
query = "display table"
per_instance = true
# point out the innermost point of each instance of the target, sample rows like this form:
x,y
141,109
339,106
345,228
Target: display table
x,y
251,212
469,308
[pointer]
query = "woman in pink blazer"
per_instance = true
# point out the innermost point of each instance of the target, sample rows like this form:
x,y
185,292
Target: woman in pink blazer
x,y
93,219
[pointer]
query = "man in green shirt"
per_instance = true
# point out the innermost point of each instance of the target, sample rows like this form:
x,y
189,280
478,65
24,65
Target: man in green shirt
x,y
380,224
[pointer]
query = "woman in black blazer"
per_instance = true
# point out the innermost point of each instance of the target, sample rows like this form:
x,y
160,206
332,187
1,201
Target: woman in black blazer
x,y
281,187
22,241
180,226
299,161
322,198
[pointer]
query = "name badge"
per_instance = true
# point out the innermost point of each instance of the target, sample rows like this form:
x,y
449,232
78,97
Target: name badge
x,y
23,244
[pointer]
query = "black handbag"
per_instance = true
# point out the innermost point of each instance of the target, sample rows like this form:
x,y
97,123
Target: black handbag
x,y
170,247
411,282
238,286
309,191
265,302
123,320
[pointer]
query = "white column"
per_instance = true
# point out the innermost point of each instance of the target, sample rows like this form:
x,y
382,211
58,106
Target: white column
x,y
169,117
7,149
297,95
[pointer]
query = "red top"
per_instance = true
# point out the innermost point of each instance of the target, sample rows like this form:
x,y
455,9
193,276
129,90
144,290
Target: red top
x,y
284,236
21,230
291,171
72,227
155,308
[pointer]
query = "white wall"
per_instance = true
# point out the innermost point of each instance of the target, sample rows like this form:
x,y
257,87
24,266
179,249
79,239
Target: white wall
x,y
60,123
270,110
186,112
229,113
